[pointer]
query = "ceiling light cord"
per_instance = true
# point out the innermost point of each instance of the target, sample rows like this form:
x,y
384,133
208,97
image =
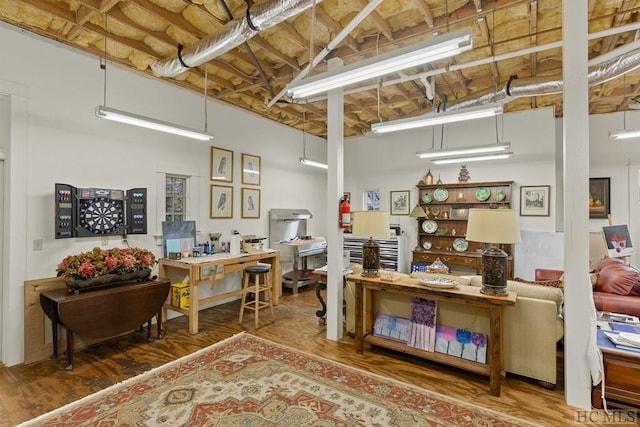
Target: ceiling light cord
x,y
104,66
206,111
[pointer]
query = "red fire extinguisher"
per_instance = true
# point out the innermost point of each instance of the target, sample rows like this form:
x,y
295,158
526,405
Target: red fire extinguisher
x,y
345,214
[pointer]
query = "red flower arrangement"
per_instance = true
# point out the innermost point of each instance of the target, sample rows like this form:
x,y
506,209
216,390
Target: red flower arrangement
x,y
100,262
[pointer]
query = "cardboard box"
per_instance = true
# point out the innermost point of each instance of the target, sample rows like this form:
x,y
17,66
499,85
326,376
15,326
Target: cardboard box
x,y
180,295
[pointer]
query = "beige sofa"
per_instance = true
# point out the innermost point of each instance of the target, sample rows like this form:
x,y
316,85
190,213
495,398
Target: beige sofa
x,y
532,327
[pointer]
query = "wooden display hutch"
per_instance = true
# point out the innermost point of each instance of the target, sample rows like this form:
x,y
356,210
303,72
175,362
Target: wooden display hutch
x,y
447,205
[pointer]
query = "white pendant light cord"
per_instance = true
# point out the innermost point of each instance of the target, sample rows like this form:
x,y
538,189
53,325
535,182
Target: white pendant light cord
x,y
104,63
206,114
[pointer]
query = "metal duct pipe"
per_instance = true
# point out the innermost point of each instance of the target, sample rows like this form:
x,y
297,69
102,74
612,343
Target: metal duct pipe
x,y
608,70
233,34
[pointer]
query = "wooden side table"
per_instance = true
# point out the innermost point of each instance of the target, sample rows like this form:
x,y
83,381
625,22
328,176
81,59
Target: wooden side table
x,y
105,312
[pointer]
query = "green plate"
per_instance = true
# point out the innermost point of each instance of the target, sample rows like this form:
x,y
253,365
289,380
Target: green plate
x,y
483,193
426,198
500,196
440,194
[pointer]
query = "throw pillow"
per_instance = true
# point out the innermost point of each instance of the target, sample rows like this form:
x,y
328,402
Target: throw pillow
x,y
551,283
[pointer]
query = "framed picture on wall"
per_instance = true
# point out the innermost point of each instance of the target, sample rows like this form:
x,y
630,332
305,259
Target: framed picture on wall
x,y
599,197
250,203
221,164
221,201
250,169
534,200
400,202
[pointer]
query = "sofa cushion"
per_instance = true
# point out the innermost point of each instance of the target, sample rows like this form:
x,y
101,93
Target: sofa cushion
x,y
551,283
530,291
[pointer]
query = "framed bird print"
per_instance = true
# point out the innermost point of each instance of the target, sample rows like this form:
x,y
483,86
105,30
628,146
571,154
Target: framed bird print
x,y
221,164
250,169
221,201
250,203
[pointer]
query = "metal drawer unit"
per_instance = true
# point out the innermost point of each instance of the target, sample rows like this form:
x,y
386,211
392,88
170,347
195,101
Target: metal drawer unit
x,y
389,250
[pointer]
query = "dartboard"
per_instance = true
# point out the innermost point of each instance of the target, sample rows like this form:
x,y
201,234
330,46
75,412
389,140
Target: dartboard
x,y
101,215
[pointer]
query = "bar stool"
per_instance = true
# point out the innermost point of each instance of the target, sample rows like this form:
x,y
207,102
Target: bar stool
x,y
258,271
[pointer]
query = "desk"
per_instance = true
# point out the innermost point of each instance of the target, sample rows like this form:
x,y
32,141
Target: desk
x,y
210,268
621,375
462,294
105,312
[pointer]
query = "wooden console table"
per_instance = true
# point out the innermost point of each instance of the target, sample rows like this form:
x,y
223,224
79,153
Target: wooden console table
x,y
104,312
463,294
210,268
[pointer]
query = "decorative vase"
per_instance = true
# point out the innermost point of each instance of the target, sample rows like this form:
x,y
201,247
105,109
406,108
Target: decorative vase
x,y
77,284
428,178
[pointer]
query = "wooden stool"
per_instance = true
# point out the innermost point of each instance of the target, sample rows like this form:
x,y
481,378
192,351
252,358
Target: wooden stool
x,y
257,271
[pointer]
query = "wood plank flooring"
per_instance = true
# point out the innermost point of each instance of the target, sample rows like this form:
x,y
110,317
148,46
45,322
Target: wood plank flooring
x,y
30,390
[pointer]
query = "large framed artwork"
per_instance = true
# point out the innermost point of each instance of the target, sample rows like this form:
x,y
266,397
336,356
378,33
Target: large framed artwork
x,y
599,197
534,200
221,201
250,203
221,164
250,169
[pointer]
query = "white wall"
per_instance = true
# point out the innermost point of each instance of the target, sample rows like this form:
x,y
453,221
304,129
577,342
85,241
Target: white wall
x,y
66,143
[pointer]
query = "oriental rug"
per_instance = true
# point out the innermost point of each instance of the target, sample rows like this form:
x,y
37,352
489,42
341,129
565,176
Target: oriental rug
x,y
249,381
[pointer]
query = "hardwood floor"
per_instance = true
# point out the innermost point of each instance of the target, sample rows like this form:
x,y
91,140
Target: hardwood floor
x,y
30,390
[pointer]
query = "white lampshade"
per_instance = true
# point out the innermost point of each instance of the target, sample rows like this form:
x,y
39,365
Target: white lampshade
x,y
493,226
370,224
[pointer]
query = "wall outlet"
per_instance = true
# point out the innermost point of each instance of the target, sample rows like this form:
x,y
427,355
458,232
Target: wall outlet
x,y
37,245
105,240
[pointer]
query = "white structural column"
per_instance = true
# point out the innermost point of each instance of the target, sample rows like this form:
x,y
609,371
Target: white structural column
x,y
335,187
579,316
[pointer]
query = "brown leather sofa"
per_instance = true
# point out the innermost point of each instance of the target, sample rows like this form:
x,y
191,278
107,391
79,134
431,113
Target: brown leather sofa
x,y
617,288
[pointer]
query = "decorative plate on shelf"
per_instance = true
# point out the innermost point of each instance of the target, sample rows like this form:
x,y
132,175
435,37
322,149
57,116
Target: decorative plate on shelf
x,y
429,226
440,194
426,245
483,193
460,244
426,198
500,196
439,282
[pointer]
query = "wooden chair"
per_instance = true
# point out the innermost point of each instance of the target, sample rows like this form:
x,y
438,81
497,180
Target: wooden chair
x,y
261,283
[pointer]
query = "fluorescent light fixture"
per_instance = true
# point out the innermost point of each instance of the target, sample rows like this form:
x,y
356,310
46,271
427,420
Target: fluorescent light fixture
x,y
478,149
396,60
308,162
146,122
625,134
432,119
472,158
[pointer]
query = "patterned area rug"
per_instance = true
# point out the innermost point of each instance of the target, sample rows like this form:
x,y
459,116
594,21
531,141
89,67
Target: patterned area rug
x,y
249,381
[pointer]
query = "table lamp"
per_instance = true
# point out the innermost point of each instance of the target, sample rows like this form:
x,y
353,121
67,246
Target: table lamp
x,y
371,224
418,212
493,226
